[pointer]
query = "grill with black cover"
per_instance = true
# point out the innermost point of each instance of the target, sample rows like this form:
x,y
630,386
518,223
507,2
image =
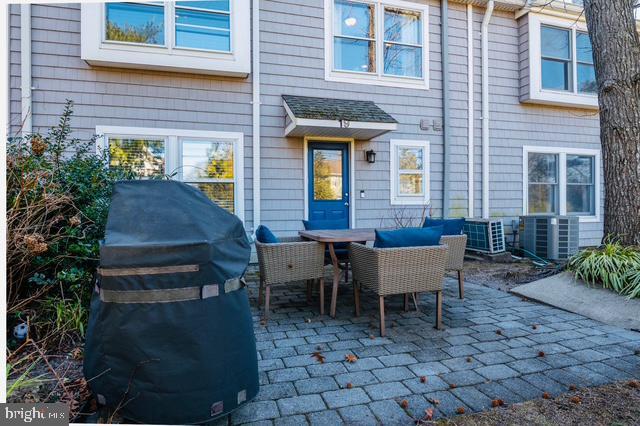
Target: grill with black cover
x,y
170,337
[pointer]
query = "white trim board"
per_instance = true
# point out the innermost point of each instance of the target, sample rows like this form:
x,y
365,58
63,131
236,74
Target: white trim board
x,y
407,200
330,74
352,179
562,177
173,149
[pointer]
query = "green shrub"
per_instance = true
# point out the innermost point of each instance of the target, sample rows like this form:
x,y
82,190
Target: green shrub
x,y
58,193
612,265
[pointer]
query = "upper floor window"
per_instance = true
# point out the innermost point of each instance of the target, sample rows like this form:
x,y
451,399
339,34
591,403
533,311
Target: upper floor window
x,y
556,62
202,25
375,42
561,181
199,36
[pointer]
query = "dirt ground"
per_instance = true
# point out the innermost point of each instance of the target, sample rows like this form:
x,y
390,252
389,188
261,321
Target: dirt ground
x,y
505,272
613,404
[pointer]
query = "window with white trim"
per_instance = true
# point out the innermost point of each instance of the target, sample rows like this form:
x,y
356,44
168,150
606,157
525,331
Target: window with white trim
x,y
560,68
376,42
409,170
558,63
561,181
201,36
203,25
209,161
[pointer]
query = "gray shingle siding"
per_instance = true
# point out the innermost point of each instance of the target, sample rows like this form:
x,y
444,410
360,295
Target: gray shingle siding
x,y
292,63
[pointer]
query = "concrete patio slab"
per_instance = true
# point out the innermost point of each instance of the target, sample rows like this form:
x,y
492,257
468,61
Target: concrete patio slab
x,y
565,292
465,365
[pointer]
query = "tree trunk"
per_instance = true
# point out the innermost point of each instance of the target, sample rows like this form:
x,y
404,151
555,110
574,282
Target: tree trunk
x,y
616,53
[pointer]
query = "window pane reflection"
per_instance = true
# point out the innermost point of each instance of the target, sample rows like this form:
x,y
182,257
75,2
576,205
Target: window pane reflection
x,y
327,174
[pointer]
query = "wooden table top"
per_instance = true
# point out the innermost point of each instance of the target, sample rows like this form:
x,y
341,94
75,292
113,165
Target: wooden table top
x,y
340,235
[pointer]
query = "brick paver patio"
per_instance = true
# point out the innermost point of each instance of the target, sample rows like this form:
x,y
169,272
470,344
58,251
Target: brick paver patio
x,y
490,348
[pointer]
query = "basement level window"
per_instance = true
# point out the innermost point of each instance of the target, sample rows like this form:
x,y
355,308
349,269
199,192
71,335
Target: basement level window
x,y
211,37
562,181
208,160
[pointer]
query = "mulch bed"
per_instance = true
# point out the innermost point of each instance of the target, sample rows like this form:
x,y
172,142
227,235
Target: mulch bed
x,y
612,404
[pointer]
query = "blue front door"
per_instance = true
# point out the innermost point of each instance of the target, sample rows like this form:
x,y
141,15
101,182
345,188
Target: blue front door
x,y
329,182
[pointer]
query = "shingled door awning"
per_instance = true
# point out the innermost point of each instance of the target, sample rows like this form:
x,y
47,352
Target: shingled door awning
x,y
311,116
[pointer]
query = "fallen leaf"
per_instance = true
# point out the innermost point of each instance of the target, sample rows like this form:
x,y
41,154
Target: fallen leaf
x,y
308,320
541,354
572,387
460,410
546,395
499,332
404,404
428,414
349,385
77,353
372,337
318,348
535,327
497,403
452,386
575,399
423,379
351,358
319,357
634,384
435,401
263,322
469,359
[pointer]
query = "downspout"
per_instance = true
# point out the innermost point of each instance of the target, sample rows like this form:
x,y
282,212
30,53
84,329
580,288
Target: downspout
x,y
470,118
485,109
255,103
444,24
25,69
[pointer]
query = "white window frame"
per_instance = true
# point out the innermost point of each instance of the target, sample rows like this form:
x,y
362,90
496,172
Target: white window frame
x,y
377,78
409,200
96,50
562,177
173,151
537,94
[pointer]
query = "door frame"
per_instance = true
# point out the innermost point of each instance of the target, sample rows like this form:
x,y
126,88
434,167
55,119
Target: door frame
x,y
305,162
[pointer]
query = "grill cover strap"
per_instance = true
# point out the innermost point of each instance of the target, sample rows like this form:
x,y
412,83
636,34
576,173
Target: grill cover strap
x,y
156,270
159,296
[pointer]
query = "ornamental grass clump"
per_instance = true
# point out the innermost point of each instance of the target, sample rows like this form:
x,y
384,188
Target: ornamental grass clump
x,y
612,265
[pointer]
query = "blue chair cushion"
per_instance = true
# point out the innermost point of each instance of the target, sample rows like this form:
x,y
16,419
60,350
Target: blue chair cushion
x,y
264,235
409,237
313,225
451,226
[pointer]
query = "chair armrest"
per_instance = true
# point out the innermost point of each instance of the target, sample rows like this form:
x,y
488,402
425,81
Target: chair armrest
x,y
292,259
399,270
457,245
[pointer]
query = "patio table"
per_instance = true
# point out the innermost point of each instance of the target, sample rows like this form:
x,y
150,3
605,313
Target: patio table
x,y
330,237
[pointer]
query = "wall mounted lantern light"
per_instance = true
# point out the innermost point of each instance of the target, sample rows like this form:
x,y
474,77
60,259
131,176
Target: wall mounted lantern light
x,y
370,156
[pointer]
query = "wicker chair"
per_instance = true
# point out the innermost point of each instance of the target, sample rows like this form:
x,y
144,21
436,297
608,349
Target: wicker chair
x,y
292,259
457,244
406,270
